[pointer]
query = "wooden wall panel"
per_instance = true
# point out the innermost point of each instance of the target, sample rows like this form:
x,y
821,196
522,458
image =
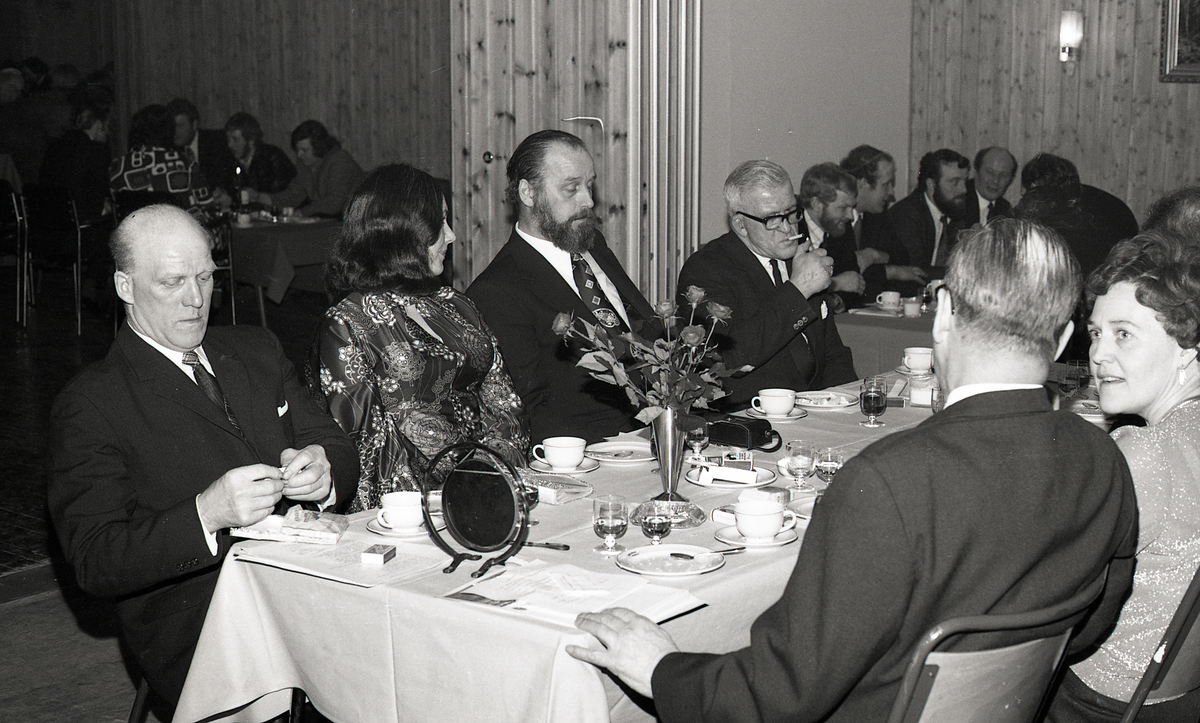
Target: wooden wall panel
x,y
376,73
985,73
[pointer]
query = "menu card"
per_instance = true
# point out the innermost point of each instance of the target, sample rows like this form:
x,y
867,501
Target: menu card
x,y
558,593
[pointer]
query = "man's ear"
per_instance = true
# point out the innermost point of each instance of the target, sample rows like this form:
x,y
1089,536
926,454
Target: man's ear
x,y
737,224
1064,338
526,192
943,319
929,186
124,285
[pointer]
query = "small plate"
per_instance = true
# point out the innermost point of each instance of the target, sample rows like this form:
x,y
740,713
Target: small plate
x,y
619,452
417,534
587,465
731,536
897,310
791,416
910,373
656,560
825,400
765,477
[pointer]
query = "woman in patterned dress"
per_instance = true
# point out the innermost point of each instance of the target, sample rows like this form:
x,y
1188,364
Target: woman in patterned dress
x,y
406,364
1145,328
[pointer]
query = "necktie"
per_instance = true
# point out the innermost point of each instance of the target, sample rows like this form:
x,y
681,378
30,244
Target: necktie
x,y
991,209
775,273
939,246
593,296
208,384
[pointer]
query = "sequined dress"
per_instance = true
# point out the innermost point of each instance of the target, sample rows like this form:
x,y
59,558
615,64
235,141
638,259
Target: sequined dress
x,y
1165,462
404,393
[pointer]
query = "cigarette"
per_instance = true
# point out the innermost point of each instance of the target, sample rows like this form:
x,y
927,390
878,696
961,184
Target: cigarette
x,y
793,238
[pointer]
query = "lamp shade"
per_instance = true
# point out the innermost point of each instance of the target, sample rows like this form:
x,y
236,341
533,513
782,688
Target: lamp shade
x,y
1070,34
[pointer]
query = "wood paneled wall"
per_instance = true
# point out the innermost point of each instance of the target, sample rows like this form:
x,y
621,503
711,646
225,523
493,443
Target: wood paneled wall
x,y
375,72
987,73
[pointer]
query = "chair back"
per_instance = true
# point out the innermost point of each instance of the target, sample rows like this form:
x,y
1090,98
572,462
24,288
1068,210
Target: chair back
x,y
998,685
1175,666
53,226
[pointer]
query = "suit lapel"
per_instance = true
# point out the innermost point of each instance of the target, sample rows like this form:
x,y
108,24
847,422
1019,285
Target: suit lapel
x,y
544,281
235,385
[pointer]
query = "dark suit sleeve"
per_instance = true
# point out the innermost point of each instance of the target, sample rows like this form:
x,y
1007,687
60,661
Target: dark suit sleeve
x,y
839,360
809,649
336,179
757,331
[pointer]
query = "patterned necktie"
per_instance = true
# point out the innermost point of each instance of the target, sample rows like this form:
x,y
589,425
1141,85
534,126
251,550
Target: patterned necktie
x,y
939,246
593,296
775,273
208,384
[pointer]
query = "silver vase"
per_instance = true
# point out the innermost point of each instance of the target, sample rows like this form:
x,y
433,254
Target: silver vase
x,y
668,447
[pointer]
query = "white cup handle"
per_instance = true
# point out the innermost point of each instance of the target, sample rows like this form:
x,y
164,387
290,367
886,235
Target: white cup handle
x,y
381,518
789,521
757,404
539,451
723,515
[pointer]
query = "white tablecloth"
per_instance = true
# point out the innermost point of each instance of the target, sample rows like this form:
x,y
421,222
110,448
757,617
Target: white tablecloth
x,y
403,652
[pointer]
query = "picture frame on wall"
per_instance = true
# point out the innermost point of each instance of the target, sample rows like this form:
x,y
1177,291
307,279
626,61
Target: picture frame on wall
x,y
1181,41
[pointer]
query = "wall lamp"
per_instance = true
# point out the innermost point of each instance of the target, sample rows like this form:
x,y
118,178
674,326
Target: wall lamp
x,y
1070,35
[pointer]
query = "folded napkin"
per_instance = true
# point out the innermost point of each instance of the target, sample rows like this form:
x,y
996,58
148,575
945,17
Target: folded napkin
x,y
297,525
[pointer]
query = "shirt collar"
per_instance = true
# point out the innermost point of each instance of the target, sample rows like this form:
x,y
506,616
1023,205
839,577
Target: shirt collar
x,y
815,232
934,210
175,357
970,390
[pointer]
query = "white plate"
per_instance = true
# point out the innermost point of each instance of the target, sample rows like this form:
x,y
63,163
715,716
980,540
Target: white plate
x,y
731,536
656,560
417,534
897,310
910,373
791,416
825,400
765,477
587,465
620,453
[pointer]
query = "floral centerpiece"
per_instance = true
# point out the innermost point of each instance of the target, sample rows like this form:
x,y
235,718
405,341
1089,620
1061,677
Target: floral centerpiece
x,y
665,378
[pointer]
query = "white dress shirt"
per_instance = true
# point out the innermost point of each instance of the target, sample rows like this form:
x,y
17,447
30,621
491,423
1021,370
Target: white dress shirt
x,y
939,227
983,208
970,390
561,261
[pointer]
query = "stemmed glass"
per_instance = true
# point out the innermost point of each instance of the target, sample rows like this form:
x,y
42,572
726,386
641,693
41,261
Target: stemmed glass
x,y
697,439
799,461
1069,382
829,461
610,520
529,491
655,519
873,400
1082,372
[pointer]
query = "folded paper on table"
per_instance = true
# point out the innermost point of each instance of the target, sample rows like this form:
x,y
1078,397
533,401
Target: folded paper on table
x,y
342,562
558,593
557,489
298,525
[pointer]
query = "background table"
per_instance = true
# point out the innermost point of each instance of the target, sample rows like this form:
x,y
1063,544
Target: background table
x,y
878,342
277,256
404,652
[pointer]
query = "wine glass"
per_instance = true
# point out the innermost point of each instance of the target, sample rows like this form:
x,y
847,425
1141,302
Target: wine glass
x,y
799,461
1083,373
610,520
529,491
873,400
829,461
697,439
926,299
1069,382
655,519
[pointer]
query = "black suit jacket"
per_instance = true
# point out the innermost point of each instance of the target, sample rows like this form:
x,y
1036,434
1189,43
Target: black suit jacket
x,y
216,161
134,442
270,170
519,294
996,505
792,342
916,230
970,215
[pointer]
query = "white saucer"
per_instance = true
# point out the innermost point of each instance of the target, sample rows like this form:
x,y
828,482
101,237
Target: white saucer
x,y
731,536
656,560
796,413
620,452
897,310
416,533
910,373
826,400
587,465
765,477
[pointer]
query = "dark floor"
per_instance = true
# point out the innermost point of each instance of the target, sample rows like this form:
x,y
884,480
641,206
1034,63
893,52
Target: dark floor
x,y
52,632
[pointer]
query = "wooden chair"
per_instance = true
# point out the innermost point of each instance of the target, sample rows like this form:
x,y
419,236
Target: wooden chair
x,y
1000,685
141,704
1175,666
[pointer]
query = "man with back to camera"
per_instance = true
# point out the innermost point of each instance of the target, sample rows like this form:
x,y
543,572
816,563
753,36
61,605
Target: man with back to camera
x,y
179,434
995,169
556,260
775,281
997,504
927,221
264,167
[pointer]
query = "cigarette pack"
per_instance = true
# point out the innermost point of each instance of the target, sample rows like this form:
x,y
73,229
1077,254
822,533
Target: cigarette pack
x,y
709,473
743,459
378,554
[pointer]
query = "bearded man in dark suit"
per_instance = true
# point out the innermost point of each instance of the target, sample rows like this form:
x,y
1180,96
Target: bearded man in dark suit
x,y
997,504
179,434
775,281
557,261
927,221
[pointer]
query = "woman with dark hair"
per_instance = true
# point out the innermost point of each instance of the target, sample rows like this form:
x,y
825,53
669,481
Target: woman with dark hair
x,y
407,365
152,163
1145,329
324,179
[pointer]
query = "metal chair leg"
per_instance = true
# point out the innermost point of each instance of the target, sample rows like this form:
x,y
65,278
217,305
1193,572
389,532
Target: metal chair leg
x,y
137,714
297,712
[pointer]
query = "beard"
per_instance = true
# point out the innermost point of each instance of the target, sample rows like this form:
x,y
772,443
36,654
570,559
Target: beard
x,y
834,226
576,235
950,206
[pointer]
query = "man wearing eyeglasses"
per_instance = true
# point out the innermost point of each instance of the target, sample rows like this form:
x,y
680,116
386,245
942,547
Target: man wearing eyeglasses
x,y
776,283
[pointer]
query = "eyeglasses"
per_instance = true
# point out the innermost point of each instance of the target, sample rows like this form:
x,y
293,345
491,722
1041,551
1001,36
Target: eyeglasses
x,y
775,222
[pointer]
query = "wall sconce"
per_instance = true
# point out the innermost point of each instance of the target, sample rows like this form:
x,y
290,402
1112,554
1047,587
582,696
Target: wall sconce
x,y
1070,35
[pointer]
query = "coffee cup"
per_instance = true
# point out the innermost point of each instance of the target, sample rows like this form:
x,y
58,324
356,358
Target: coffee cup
x,y
400,511
287,211
243,220
244,196
889,300
756,515
774,401
912,307
563,454
918,359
